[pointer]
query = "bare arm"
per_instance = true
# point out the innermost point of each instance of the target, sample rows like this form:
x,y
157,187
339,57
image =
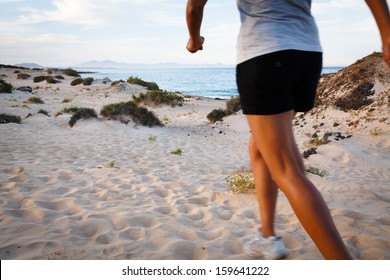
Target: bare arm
x,y
380,10
194,16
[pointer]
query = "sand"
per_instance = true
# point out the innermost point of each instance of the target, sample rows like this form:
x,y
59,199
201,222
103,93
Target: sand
x,y
107,190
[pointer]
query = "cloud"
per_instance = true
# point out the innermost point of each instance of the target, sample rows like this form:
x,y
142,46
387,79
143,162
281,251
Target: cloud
x,y
10,1
86,13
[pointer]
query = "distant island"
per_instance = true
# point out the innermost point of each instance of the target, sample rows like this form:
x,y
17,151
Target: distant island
x,y
113,64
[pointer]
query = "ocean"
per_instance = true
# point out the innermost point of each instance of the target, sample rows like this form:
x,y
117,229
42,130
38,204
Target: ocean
x,y
207,82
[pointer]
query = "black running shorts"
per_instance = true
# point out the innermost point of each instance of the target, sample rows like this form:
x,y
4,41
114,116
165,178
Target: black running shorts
x,y
279,82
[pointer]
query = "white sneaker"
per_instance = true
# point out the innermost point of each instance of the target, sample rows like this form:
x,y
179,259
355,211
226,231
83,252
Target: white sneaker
x,y
271,248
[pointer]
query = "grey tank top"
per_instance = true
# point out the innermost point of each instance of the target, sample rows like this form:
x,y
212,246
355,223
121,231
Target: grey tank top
x,y
273,25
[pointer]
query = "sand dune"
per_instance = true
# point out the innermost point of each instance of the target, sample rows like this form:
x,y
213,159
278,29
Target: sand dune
x,y
106,190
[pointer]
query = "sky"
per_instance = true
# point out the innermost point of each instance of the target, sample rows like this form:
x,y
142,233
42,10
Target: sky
x,y
61,33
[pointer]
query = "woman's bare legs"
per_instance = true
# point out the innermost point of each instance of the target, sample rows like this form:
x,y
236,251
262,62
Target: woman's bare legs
x,y
266,190
278,163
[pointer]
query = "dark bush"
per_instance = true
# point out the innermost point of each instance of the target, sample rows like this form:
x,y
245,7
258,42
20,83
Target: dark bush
x,y
82,113
158,97
67,110
39,79
115,110
5,87
114,83
140,115
138,81
233,105
23,76
35,100
145,117
4,118
76,82
71,72
51,80
59,77
216,115
43,112
88,81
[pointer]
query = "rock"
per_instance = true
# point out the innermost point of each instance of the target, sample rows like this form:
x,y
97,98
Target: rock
x,y
309,152
25,89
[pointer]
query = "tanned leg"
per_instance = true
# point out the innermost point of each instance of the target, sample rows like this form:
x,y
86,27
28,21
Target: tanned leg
x,y
275,141
266,190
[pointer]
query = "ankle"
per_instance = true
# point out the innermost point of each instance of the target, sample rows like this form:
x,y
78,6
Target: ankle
x,y
264,232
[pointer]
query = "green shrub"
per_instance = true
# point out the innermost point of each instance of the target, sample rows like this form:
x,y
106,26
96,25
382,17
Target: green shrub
x,y
138,81
71,72
316,171
88,81
23,76
115,110
67,100
35,100
177,152
5,118
82,113
76,82
43,112
158,97
242,181
39,79
67,110
5,87
140,115
59,77
114,83
51,80
233,105
216,115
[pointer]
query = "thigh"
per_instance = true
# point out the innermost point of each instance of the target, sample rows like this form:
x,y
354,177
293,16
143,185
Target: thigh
x,y
274,138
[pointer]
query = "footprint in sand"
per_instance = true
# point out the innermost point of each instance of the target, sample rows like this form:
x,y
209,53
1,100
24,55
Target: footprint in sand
x,y
134,234
190,211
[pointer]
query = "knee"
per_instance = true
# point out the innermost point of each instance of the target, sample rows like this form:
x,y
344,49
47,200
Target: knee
x,y
254,152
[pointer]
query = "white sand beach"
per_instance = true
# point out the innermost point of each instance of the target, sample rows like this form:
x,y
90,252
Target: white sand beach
x,y
107,190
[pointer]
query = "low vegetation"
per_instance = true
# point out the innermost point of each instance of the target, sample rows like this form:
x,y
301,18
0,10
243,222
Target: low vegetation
x,y
48,79
67,110
35,100
76,81
88,81
216,115
177,152
316,171
159,97
5,87
66,100
138,81
82,113
23,76
5,118
114,83
233,105
71,72
43,112
241,181
140,115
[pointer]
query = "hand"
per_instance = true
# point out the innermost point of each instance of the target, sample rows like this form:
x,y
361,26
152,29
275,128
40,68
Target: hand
x,y
194,46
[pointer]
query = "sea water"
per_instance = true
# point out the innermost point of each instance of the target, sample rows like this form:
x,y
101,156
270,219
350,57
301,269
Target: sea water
x,y
206,82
